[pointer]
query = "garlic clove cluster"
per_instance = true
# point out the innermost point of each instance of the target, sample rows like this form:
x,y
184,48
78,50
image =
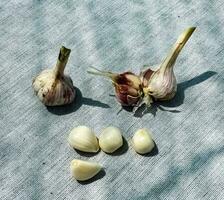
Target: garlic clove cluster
x,y
84,170
110,139
161,84
142,141
82,138
52,87
127,86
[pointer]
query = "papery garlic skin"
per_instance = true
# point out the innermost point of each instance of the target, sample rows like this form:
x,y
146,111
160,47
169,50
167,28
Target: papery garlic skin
x,y
82,138
84,170
53,87
110,139
53,92
127,89
161,84
150,85
127,86
142,141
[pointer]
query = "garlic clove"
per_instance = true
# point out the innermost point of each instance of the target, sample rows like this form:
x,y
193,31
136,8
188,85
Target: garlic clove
x,y
52,87
127,86
84,170
142,141
110,139
83,139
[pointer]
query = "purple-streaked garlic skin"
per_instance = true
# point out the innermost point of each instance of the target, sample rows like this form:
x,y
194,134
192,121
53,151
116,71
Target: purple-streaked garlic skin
x,y
166,87
145,76
51,91
127,89
127,86
52,87
161,84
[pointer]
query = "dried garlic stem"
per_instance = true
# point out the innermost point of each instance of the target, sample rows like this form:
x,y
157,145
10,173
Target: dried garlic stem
x,y
98,72
177,47
62,61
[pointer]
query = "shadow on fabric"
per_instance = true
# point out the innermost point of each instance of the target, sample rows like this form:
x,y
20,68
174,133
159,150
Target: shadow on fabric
x,y
177,100
74,106
100,175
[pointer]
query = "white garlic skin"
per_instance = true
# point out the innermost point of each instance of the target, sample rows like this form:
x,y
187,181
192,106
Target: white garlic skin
x,y
110,139
84,170
162,84
82,138
142,141
53,91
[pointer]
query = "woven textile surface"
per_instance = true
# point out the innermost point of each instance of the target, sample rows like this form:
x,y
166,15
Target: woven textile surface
x,y
118,35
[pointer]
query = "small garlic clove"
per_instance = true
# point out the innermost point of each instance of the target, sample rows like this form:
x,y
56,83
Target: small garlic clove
x,y
110,139
53,87
84,170
142,141
83,139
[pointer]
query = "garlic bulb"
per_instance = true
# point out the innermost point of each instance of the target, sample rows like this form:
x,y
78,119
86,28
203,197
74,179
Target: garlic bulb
x,y
161,84
110,139
84,170
53,87
83,139
134,90
127,86
142,141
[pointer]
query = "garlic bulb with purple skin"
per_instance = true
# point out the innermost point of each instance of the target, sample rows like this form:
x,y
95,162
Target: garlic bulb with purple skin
x,y
127,86
53,87
161,84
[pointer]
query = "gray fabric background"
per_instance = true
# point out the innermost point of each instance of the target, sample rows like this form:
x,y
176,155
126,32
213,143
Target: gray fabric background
x,y
116,35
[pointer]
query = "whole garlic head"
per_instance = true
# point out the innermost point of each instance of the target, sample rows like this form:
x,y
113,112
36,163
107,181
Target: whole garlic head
x,y
110,139
161,84
84,170
142,141
83,139
53,87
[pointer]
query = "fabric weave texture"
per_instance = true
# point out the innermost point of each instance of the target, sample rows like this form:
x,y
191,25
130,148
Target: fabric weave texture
x,y
117,35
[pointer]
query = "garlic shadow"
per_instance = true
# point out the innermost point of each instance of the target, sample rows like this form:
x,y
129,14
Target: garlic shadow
x,y
76,104
181,87
155,106
127,108
86,154
142,110
178,98
98,176
154,152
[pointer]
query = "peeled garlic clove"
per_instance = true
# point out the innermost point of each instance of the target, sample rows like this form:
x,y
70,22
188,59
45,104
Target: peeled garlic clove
x,y
161,84
83,139
142,141
127,86
53,87
110,139
84,170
